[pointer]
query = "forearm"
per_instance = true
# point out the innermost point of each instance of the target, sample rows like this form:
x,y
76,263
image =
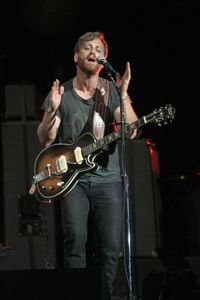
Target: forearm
x,y
47,129
129,113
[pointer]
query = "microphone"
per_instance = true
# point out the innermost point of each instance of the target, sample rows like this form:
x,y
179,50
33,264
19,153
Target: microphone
x,y
102,61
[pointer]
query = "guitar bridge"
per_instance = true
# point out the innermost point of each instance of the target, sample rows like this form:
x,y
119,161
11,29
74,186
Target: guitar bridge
x,y
61,164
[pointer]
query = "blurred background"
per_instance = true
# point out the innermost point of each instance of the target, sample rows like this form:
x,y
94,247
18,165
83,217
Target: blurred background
x,y
162,43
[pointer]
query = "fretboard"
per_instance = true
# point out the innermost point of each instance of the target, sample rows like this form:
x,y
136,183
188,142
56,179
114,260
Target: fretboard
x,y
111,137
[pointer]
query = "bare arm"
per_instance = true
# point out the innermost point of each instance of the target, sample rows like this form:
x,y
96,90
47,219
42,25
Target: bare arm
x,y
48,128
129,113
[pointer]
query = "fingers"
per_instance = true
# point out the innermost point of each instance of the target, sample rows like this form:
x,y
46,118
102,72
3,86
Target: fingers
x,y
61,90
125,79
127,74
118,76
56,88
134,134
56,84
118,80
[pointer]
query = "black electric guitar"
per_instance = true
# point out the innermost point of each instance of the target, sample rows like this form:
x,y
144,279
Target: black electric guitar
x,y
58,167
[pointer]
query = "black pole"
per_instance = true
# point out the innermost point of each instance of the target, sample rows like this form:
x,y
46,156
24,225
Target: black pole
x,y
127,216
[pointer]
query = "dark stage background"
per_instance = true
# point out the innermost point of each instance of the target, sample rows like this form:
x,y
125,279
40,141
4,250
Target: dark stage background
x,y
161,42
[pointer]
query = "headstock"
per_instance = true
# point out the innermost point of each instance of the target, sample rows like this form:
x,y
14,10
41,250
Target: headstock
x,y
162,115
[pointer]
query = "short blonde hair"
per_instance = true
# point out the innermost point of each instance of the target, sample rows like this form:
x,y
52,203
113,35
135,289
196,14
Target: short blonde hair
x,y
89,36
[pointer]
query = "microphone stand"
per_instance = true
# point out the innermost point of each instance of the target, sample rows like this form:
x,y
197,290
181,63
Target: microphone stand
x,y
128,252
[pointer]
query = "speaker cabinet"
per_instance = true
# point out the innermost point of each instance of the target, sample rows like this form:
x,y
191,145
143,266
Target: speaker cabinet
x,y
20,101
28,239
143,170
142,160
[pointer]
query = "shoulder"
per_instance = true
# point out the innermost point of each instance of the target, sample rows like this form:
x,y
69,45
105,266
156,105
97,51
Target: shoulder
x,y
68,85
106,84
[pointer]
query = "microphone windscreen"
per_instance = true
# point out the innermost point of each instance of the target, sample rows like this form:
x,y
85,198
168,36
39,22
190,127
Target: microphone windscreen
x,y
100,59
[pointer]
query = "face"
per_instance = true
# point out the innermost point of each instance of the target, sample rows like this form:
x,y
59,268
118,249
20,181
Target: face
x,y
86,58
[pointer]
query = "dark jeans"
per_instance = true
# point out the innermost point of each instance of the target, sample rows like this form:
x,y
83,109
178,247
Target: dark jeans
x,y
104,203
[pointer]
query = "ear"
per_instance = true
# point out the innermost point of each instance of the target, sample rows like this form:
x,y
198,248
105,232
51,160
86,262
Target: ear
x,y
75,57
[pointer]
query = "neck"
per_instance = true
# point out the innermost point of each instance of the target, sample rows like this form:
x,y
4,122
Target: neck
x,y
85,87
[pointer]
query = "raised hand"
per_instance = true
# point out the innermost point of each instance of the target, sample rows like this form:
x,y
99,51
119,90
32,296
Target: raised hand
x,y
123,82
56,93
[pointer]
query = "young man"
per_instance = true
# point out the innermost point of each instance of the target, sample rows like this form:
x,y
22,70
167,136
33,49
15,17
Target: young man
x,y
88,103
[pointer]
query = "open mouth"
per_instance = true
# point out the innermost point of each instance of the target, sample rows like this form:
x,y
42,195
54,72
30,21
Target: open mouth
x,y
91,59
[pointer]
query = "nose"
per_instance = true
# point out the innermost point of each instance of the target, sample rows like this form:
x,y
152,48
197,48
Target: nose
x,y
92,50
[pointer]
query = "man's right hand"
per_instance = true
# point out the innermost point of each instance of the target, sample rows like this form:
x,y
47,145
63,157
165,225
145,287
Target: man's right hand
x,y
55,95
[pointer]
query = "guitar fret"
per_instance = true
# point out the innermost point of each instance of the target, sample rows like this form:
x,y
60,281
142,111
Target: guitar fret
x,y
100,143
90,148
109,138
85,151
95,146
116,135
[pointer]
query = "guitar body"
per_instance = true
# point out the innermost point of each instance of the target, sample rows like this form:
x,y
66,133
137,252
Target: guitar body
x,y
49,183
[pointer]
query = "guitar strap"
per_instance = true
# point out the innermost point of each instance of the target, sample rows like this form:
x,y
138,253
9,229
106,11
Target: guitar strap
x,y
100,108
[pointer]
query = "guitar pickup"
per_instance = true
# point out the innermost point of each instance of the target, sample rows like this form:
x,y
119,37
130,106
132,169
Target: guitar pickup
x,y
61,164
78,155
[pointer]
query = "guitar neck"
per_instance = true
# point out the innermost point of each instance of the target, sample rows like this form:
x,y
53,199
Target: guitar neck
x,y
157,116
111,137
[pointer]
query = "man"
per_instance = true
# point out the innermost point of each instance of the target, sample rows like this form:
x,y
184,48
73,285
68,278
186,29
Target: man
x,y
84,104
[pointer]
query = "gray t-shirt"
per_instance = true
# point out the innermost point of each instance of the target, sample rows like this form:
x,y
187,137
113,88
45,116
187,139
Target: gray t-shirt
x,y
91,116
